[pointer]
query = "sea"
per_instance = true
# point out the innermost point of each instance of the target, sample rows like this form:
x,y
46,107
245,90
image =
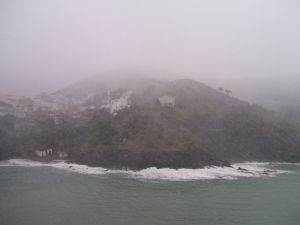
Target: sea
x,y
60,193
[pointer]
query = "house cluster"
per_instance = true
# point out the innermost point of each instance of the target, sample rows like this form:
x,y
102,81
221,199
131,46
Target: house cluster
x,y
56,105
50,153
18,106
53,104
113,105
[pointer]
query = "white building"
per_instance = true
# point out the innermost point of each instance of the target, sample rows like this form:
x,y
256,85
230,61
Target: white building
x,y
62,155
166,101
115,105
40,153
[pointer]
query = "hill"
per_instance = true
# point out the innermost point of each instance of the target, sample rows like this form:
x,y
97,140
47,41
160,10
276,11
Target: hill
x,y
175,124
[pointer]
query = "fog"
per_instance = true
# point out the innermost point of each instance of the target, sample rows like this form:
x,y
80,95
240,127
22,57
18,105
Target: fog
x,y
48,44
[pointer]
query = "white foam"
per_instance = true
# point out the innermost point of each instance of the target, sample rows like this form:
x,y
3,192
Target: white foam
x,y
83,169
238,170
21,162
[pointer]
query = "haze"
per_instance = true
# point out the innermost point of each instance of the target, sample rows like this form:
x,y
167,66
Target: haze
x,y
48,44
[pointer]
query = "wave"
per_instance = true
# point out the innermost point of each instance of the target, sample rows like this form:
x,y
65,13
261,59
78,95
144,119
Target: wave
x,y
238,170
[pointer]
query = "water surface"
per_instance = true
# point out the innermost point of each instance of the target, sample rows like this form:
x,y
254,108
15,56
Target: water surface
x,y
45,195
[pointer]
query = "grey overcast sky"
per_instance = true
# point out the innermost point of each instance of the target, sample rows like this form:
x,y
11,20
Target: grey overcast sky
x,y
47,44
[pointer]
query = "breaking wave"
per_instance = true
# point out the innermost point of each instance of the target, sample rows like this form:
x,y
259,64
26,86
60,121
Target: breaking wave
x,y
238,170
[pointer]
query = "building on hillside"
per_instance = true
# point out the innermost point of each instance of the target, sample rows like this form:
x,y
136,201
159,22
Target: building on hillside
x,y
24,107
51,103
40,153
10,99
117,104
57,118
166,101
44,153
25,104
49,151
76,115
62,155
9,109
6,109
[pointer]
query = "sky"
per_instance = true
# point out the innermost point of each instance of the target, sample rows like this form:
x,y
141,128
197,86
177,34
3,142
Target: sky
x,y
48,44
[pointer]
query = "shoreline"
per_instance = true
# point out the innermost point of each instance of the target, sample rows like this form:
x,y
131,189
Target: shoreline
x,y
236,171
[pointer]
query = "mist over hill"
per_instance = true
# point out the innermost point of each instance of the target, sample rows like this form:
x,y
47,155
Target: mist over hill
x,y
110,81
277,93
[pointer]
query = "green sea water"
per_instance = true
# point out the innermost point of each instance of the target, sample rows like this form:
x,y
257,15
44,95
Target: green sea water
x,y
50,196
